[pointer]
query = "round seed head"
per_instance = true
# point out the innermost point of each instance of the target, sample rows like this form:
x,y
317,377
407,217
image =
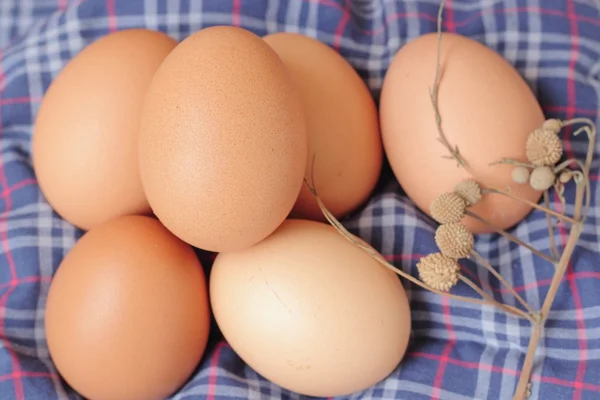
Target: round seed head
x,y
454,240
469,191
543,148
552,125
448,207
438,271
565,176
542,178
520,175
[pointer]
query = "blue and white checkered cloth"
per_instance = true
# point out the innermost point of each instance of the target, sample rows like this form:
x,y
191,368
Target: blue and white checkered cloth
x,y
458,351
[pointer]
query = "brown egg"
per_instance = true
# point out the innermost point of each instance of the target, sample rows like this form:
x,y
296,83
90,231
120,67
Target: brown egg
x,y
311,312
342,126
487,110
85,136
223,140
127,314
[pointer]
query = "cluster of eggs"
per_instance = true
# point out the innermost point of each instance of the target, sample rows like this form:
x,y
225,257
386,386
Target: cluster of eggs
x,y
157,148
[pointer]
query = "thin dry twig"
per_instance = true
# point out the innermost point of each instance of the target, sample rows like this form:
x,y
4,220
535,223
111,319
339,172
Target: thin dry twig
x,y
505,307
510,161
433,93
547,305
487,266
511,237
553,249
546,210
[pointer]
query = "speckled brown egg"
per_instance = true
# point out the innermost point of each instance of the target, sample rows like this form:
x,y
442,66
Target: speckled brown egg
x,y
127,314
223,140
342,126
310,311
85,137
487,110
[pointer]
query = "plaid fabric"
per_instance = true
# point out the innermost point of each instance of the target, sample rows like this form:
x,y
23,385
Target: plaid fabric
x,y
458,351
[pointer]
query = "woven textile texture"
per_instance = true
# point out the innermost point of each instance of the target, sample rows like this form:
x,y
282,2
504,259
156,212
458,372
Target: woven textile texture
x,y
459,351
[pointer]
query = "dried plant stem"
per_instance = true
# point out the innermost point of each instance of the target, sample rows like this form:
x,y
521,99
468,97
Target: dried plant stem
x,y
545,209
590,129
508,309
524,386
512,238
492,271
582,177
561,268
579,192
553,249
559,189
433,93
585,180
512,162
582,195
379,258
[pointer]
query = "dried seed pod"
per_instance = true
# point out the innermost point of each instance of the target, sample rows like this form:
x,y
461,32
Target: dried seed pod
x,y
542,178
552,125
565,176
448,207
454,240
520,175
438,271
469,191
543,148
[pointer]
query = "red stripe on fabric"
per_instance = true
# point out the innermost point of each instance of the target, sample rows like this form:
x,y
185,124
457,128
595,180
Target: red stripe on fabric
x,y
16,366
62,4
572,102
213,371
236,12
448,18
578,111
328,3
20,100
467,364
443,361
26,374
546,282
29,279
507,371
8,191
395,17
339,30
112,15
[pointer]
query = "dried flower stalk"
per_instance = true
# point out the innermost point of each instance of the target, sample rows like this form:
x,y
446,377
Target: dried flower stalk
x,y
433,93
440,272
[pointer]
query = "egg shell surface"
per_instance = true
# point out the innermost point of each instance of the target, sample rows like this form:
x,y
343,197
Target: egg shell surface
x,y
310,311
342,126
127,314
223,140
85,137
487,110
